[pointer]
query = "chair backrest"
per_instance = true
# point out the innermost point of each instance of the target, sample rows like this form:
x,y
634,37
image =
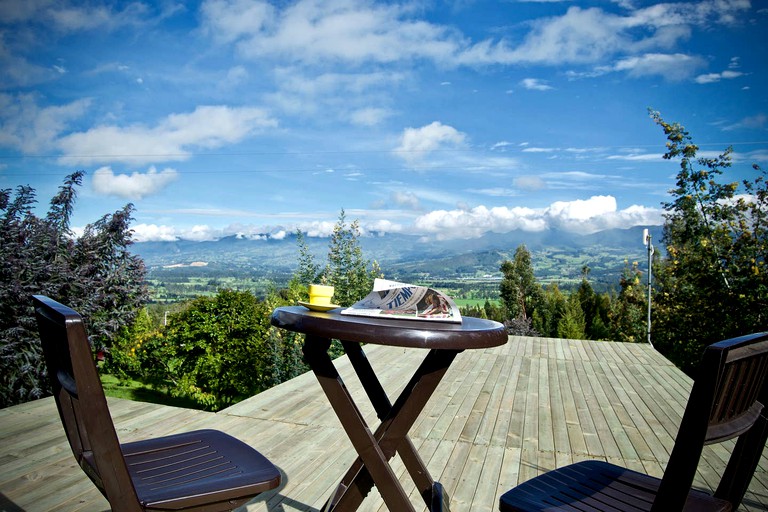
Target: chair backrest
x,y
81,402
727,401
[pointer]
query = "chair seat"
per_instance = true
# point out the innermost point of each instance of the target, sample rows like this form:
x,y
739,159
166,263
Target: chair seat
x,y
196,468
596,486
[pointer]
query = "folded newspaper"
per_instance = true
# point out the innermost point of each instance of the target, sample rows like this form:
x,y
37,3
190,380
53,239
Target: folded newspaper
x,y
399,300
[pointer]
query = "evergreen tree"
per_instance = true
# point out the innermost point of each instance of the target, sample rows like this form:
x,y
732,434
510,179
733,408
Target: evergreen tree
x,y
519,291
628,313
596,309
493,311
572,324
307,271
347,270
552,309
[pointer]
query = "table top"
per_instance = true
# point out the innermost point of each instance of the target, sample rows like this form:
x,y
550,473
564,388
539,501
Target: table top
x,y
470,333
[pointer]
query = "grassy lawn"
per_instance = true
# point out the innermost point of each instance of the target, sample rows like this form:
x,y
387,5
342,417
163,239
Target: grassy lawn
x,y
140,392
474,302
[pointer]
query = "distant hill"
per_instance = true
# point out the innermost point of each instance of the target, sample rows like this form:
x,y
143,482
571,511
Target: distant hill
x,y
556,255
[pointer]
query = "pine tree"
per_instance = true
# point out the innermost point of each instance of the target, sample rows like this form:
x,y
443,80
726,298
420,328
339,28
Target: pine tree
x,y
572,324
347,270
307,271
519,291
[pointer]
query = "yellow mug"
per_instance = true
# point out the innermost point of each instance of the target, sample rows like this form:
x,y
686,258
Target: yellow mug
x,y
320,294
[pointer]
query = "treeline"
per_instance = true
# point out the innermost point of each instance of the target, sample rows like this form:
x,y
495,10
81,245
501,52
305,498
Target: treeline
x,y
528,308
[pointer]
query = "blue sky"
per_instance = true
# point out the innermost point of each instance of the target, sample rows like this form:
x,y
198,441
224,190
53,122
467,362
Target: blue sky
x,y
443,119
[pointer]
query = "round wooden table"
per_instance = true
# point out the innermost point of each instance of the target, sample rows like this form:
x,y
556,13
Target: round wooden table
x,y
443,340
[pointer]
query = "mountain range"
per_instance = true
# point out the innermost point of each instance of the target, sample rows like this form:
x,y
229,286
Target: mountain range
x,y
556,255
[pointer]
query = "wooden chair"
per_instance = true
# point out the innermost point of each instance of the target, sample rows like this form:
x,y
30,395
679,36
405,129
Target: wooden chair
x,y
202,470
726,402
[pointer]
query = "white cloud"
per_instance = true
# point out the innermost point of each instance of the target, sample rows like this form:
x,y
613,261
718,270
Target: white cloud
x,y
529,149
535,84
317,228
583,216
758,121
416,143
235,76
638,157
18,71
598,213
370,116
716,77
672,66
311,31
676,66
72,16
172,139
579,36
26,127
593,36
495,192
365,32
229,20
132,186
382,226
153,233
501,146
580,209
348,96
530,183
405,199
200,233
473,223
162,233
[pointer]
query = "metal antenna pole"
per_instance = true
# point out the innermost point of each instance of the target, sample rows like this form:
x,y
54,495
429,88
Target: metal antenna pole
x,y
649,244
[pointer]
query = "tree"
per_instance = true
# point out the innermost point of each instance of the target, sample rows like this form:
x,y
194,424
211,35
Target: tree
x,y
519,291
212,352
596,308
307,271
493,311
552,309
95,274
628,310
108,278
346,269
572,324
713,283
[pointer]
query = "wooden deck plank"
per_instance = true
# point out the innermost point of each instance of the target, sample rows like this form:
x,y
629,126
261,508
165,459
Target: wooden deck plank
x,y
576,442
500,416
558,421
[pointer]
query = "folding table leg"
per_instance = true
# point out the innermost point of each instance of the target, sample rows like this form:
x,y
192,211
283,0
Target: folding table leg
x,y
366,445
396,421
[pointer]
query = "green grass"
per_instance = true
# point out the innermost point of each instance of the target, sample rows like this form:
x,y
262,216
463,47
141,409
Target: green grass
x,y
462,303
140,392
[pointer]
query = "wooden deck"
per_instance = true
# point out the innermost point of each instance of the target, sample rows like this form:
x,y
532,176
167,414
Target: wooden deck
x,y
499,417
